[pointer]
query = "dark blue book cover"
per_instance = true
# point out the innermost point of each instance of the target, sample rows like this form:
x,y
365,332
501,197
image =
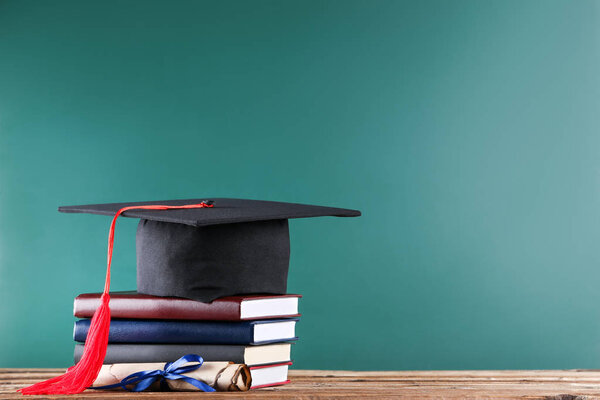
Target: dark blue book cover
x,y
204,332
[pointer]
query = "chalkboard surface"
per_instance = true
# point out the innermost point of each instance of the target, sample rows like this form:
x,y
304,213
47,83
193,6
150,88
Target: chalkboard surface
x,y
467,132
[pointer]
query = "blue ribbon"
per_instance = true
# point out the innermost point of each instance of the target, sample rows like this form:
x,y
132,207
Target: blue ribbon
x,y
172,370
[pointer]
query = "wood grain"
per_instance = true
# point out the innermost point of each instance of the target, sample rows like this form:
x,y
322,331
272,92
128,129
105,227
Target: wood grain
x,y
564,384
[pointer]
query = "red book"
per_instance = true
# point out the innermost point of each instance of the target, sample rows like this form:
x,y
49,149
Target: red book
x,y
234,308
269,375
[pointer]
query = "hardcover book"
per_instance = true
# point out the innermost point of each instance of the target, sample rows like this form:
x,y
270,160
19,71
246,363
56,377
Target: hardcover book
x,y
269,375
133,305
204,332
148,353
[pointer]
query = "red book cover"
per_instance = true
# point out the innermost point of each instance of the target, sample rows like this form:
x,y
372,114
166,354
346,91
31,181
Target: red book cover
x,y
233,308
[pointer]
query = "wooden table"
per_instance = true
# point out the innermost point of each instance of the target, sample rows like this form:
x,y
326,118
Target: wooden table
x,y
563,385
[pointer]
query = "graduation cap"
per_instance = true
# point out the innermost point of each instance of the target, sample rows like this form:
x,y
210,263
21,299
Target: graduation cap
x,y
198,249
234,247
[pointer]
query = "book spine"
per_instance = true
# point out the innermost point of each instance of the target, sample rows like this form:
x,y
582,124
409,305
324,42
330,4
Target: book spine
x,y
157,308
142,331
146,353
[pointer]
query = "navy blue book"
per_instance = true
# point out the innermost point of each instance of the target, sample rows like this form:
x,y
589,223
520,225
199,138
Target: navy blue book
x,y
201,332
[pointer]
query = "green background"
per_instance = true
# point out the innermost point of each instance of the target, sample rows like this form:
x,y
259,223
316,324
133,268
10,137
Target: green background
x,y
466,131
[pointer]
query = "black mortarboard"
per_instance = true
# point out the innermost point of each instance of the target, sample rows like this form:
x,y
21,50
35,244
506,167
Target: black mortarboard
x,y
236,247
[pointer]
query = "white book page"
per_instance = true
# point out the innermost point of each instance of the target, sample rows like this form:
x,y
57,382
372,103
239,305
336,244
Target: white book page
x,y
269,307
269,375
274,331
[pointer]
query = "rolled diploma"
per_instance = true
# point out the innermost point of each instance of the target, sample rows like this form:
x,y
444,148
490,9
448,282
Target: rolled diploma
x,y
221,375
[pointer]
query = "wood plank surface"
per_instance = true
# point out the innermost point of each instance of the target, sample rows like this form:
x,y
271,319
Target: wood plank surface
x,y
564,385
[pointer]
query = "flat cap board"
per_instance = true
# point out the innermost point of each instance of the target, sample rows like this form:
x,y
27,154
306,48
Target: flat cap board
x,y
224,211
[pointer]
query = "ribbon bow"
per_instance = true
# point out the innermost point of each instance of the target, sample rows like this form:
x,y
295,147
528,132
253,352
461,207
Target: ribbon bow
x,y
172,370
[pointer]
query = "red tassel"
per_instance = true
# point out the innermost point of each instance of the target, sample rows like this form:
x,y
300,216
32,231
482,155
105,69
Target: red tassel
x,y
84,373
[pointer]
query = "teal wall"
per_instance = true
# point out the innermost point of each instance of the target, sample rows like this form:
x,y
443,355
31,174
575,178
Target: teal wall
x,y
468,133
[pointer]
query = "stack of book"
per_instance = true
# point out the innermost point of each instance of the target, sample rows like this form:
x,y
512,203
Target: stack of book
x,y
250,329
